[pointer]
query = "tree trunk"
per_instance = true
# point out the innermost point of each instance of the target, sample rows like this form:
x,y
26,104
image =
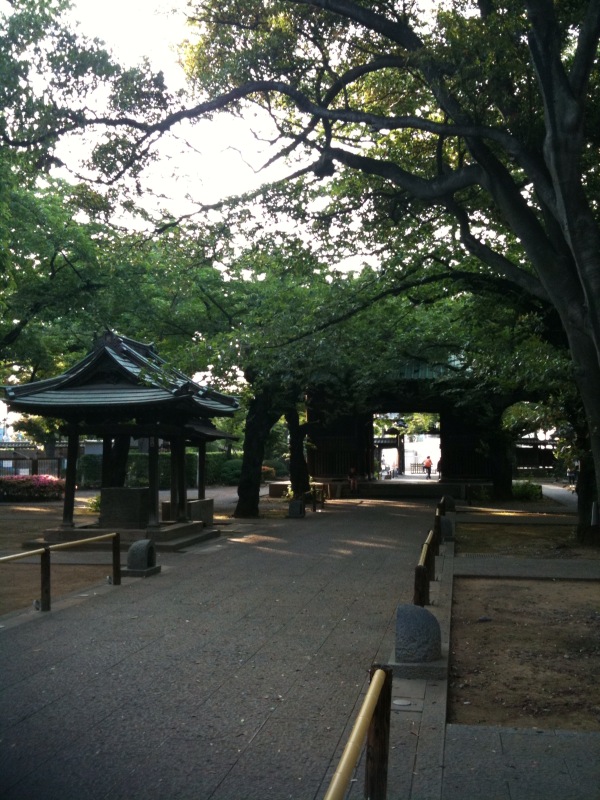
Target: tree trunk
x,y
299,476
501,463
587,376
261,418
586,496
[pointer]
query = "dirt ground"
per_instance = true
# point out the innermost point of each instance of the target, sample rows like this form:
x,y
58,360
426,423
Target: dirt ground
x,y
19,581
21,522
524,653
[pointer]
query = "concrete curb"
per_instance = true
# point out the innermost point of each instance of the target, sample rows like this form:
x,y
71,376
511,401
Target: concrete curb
x,y
426,783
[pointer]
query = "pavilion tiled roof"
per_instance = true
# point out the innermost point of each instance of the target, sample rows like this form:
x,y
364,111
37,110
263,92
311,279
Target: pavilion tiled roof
x,y
121,378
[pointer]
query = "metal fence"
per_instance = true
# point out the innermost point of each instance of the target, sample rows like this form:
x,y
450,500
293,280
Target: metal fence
x,y
19,465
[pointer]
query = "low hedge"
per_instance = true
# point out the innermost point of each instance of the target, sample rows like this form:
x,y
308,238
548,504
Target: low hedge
x,y
277,464
527,491
219,469
89,470
231,472
31,487
214,465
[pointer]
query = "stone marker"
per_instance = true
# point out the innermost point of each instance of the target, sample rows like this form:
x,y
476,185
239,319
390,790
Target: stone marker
x,y
296,509
418,635
141,560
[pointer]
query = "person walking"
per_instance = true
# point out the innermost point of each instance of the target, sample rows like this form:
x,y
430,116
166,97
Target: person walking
x,y
428,463
353,480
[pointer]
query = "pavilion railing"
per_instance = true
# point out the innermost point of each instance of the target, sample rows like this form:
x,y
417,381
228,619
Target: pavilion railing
x,y
44,553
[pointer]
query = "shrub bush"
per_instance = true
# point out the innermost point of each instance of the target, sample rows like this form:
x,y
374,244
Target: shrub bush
x,y
231,472
31,487
279,465
267,473
214,465
89,470
525,490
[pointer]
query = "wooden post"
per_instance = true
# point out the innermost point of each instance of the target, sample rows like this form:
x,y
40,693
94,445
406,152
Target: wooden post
x,y
202,469
116,559
71,477
182,513
153,481
437,530
378,740
105,480
421,592
174,496
45,580
430,556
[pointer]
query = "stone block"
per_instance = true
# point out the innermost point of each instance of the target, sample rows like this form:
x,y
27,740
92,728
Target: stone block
x,y
124,508
447,529
418,635
296,509
197,511
141,559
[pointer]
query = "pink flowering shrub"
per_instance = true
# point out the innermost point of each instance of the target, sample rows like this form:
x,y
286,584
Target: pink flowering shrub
x,y
267,473
31,487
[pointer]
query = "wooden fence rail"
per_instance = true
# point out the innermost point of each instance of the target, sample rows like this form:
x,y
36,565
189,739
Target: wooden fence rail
x,y
44,553
373,721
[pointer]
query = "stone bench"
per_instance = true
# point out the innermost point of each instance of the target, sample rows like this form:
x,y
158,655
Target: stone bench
x,y
197,511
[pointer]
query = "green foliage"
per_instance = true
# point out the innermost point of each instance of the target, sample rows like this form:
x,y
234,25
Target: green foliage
x,y
94,503
411,139
231,471
527,491
412,136
421,423
89,470
214,467
39,430
278,466
276,445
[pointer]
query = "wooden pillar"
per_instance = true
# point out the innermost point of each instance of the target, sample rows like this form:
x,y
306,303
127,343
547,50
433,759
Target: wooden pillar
x,y
174,504
71,476
153,482
401,455
202,469
105,479
182,515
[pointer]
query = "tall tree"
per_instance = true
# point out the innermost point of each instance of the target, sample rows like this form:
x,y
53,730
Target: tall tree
x,y
480,122
487,112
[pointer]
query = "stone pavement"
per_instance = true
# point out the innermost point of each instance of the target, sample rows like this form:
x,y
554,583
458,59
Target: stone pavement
x,y
235,673
238,671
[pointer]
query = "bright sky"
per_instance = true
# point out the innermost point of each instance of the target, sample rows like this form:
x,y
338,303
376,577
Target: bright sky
x,y
153,28
136,28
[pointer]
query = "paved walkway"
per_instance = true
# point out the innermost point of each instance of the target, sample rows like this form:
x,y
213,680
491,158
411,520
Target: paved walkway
x,y
237,672
233,674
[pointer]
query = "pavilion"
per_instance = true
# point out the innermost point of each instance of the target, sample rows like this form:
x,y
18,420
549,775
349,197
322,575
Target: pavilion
x,y
123,390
